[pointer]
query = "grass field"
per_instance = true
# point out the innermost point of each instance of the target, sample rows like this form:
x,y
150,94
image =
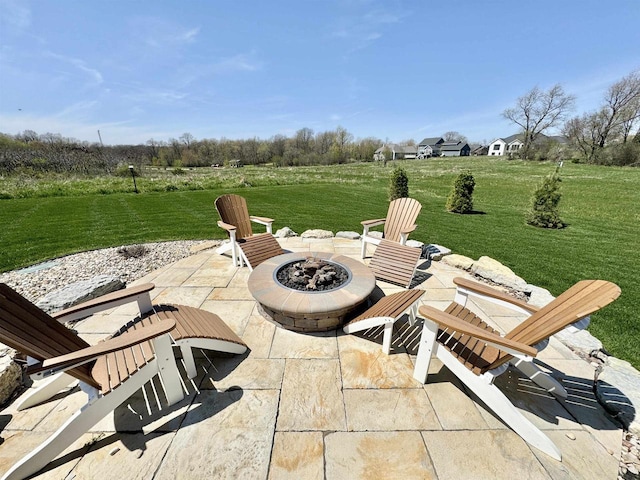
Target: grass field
x,y
47,218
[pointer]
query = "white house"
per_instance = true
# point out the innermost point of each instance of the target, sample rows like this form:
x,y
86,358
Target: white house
x,y
506,146
406,152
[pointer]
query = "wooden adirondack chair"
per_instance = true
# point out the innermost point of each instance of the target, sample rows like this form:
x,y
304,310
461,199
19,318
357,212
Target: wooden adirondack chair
x,y
244,246
476,353
398,224
111,371
393,263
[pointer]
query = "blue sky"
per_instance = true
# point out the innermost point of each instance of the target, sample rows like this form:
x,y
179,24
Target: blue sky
x,y
394,70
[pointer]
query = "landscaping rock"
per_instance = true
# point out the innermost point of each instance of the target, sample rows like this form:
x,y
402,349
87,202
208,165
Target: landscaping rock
x,y
10,375
79,292
539,296
459,261
317,233
618,388
285,232
348,235
434,252
490,269
581,341
414,243
375,234
207,245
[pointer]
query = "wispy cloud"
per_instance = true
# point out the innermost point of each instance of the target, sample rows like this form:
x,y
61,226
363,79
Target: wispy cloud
x,y
14,15
360,31
159,33
78,109
92,73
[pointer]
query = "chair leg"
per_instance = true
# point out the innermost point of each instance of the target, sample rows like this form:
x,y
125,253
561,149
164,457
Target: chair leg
x,y
78,424
44,390
500,405
539,377
426,348
363,251
189,362
387,336
168,369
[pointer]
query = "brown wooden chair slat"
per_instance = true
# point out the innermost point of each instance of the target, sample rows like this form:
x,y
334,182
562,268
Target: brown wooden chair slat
x,y
233,210
390,306
395,263
403,213
259,248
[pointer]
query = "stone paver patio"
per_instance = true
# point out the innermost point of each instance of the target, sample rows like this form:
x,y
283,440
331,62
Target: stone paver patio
x,y
321,406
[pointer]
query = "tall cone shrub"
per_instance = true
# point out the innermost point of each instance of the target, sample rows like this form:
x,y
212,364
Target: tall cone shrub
x,y
399,187
461,197
544,211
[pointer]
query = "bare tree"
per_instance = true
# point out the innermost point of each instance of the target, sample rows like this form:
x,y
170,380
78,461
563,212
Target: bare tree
x,y
454,136
616,118
537,111
187,139
621,107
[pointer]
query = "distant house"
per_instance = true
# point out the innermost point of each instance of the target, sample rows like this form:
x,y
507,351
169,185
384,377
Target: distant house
x,y
454,149
507,145
512,144
397,152
477,150
430,147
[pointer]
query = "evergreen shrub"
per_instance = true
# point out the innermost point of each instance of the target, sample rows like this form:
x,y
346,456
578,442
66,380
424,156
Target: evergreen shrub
x,y
461,197
399,187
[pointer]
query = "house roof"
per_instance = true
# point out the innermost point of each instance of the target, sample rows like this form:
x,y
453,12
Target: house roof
x,y
453,147
398,148
432,141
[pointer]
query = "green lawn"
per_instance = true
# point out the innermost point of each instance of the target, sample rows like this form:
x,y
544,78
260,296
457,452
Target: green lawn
x,y
600,204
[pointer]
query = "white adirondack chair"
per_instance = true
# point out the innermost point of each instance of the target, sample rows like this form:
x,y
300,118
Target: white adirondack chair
x,y
244,246
398,224
477,354
111,371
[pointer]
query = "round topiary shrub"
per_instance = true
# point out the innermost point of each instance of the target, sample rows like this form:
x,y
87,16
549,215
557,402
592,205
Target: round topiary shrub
x,y
399,187
544,212
461,197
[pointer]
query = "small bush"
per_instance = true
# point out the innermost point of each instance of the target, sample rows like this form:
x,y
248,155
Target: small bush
x,y
179,171
124,171
544,211
399,187
461,197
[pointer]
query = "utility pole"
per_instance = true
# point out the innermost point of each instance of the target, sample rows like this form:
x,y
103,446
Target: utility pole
x,y
100,137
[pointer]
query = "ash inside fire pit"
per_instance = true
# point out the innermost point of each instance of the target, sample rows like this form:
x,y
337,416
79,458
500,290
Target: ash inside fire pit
x,y
312,275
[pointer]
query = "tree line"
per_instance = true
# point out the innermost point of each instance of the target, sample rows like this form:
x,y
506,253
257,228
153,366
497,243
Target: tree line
x,y
31,152
603,136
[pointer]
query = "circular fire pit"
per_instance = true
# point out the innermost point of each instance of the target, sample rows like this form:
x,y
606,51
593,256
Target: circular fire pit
x,y
310,309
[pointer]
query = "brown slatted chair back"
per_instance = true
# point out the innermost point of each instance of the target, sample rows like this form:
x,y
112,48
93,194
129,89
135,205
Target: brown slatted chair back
x,y
395,263
403,213
584,298
28,329
233,210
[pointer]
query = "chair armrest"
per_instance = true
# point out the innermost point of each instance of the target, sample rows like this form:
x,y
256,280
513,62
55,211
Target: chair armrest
x,y
483,290
226,226
446,320
104,302
373,223
261,220
410,229
110,345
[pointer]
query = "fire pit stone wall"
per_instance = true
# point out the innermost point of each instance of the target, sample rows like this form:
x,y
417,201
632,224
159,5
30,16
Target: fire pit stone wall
x,y
312,311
